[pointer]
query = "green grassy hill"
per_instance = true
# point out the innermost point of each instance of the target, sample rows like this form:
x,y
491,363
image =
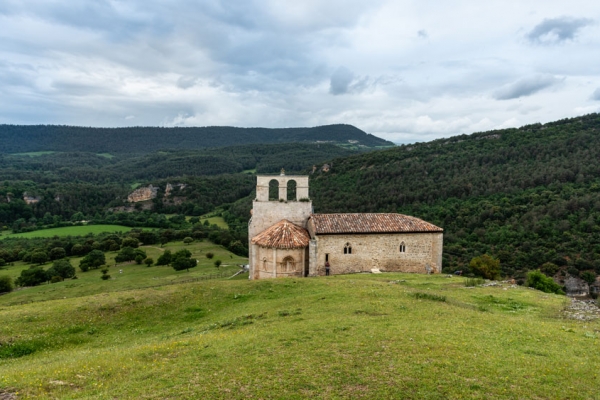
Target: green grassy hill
x,y
354,336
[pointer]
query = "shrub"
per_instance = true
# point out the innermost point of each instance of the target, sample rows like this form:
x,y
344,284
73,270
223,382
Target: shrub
x,y
187,240
429,296
550,269
139,259
209,255
588,276
470,282
573,272
539,281
149,261
32,277
485,266
218,263
6,284
56,279
2,262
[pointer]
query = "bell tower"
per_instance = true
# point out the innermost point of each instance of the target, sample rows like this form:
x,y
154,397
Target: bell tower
x,y
269,210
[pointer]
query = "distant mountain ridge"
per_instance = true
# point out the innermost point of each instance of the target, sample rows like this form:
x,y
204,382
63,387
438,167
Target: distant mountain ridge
x,y
34,138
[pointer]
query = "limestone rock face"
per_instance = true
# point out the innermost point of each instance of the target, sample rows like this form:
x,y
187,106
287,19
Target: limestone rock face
x,y
576,286
30,199
170,187
143,194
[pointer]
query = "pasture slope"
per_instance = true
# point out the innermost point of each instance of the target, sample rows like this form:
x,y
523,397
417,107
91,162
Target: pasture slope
x,y
355,336
80,230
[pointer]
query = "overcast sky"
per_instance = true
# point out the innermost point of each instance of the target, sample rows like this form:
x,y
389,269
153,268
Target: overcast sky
x,y
406,71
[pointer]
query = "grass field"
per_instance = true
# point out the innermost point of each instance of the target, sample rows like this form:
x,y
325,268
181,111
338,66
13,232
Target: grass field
x,y
133,276
68,231
218,221
367,336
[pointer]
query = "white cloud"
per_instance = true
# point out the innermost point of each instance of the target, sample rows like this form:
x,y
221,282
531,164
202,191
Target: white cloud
x,y
407,71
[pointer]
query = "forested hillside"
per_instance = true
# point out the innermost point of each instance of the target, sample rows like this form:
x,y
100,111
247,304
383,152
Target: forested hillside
x,y
528,196
139,140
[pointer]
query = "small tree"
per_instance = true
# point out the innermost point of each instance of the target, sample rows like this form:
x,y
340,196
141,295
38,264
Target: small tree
x,y
485,266
209,255
139,259
77,250
188,240
149,261
130,242
93,260
6,284
182,260
126,254
39,257
105,276
164,258
217,263
163,240
57,253
62,268
2,262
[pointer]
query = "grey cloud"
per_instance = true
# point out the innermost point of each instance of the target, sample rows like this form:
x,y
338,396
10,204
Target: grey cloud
x,y
186,82
555,30
80,89
340,81
525,87
596,94
422,34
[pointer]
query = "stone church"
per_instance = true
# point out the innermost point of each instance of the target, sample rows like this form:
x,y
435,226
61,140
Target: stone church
x,y
288,239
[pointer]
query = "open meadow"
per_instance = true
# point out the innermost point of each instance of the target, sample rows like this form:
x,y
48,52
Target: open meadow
x,y
128,275
353,336
80,230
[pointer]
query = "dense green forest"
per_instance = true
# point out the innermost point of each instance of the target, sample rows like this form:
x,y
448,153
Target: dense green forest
x,y
528,196
35,138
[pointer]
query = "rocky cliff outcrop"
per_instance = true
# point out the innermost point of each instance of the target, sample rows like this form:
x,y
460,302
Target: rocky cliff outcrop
x,y
143,194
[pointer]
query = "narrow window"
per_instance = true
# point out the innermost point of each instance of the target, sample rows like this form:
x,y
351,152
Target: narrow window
x,y
264,264
347,249
402,248
327,257
273,190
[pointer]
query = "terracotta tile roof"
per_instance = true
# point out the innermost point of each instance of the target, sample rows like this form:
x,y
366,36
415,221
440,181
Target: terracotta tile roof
x,y
369,223
283,235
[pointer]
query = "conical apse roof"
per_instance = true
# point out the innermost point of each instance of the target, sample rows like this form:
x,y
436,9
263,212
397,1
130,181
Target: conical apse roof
x,y
283,235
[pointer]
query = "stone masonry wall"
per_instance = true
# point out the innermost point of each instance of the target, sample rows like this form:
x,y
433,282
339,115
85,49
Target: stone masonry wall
x,y
380,251
274,257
